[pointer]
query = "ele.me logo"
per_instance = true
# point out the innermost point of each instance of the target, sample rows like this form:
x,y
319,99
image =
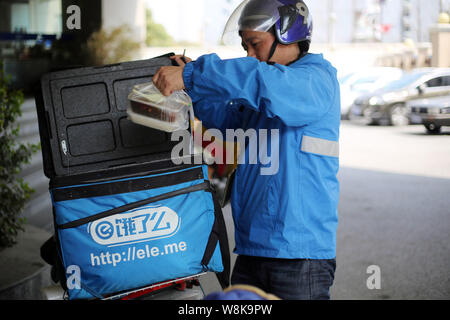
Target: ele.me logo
x,y
143,224
139,225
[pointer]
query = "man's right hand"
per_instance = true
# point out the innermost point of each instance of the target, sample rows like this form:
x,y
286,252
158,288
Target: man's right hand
x,y
178,59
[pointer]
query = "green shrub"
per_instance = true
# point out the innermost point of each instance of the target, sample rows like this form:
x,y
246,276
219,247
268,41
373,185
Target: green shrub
x,y
14,192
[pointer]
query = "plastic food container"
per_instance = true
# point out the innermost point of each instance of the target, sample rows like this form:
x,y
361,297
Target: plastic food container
x,y
149,107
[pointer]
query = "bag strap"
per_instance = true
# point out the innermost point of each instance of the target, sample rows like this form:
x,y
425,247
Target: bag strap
x,y
76,223
218,232
218,235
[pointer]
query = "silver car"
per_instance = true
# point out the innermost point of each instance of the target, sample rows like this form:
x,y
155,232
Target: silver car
x,y
388,105
433,113
363,81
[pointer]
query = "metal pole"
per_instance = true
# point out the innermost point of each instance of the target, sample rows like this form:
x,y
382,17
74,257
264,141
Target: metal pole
x,y
381,19
329,5
419,22
331,22
354,20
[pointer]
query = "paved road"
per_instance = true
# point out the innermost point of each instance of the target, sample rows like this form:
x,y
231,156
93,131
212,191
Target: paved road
x,y
394,213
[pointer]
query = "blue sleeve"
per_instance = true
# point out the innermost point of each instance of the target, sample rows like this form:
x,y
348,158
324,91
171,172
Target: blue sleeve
x,y
297,95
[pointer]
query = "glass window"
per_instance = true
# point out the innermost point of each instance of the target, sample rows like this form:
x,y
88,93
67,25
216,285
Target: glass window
x,y
345,78
435,82
446,81
32,16
405,81
20,17
46,16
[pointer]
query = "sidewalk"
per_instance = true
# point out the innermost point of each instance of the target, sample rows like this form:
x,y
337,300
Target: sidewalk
x,y
22,271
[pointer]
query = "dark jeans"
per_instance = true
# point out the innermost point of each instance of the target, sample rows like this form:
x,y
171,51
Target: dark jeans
x,y
297,279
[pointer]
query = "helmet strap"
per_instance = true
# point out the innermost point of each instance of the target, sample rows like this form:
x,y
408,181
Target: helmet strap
x,y
272,49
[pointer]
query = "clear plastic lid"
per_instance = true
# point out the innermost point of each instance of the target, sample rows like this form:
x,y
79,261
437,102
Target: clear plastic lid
x,y
252,15
149,107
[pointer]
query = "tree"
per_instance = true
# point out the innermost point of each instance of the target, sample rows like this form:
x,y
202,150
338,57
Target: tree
x,y
156,33
14,192
111,46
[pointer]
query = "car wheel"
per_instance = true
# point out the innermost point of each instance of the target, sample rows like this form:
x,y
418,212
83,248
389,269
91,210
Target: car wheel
x,y
345,116
367,118
399,115
432,128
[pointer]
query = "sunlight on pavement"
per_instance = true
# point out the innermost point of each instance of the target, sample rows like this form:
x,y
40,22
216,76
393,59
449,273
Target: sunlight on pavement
x,y
403,150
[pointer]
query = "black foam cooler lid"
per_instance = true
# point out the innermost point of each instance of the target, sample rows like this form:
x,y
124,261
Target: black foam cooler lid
x,y
83,122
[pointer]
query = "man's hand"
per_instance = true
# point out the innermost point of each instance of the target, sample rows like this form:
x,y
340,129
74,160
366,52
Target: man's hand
x,y
170,79
179,59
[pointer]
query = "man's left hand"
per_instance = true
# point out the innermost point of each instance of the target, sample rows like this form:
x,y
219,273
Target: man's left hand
x,y
169,79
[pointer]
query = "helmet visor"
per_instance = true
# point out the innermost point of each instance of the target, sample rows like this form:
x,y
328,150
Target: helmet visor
x,y
251,15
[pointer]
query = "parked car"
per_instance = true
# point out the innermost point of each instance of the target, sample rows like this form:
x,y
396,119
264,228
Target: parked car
x,y
366,80
433,113
388,105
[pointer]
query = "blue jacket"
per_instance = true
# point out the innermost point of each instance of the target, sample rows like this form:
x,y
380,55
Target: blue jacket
x,y
293,212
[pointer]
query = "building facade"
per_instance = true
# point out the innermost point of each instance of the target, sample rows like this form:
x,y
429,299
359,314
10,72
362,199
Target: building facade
x,y
336,21
346,21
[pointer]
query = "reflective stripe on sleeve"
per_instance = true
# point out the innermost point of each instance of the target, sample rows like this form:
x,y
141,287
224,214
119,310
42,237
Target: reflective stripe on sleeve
x,y
320,146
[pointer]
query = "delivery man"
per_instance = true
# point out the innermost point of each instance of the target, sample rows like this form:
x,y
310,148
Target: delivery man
x,y
285,223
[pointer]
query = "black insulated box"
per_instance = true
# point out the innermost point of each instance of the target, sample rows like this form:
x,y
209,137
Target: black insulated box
x,y
83,121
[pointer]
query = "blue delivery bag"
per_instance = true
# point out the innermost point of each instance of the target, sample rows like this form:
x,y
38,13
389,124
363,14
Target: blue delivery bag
x,y
128,233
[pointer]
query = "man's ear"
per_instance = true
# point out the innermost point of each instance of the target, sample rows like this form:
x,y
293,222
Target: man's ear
x,y
288,15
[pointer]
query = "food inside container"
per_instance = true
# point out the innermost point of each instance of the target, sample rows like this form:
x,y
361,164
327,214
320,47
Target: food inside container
x,y
149,107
